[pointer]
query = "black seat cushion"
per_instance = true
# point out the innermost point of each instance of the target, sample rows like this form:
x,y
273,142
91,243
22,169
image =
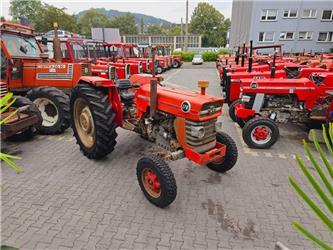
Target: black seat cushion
x,y
127,95
123,84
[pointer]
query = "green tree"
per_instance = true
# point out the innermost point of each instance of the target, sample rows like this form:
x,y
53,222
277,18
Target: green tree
x,y
92,18
2,19
209,22
25,8
174,30
49,14
155,30
125,24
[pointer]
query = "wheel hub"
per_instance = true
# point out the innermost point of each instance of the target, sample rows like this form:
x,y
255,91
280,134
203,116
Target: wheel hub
x,y
48,111
151,183
85,122
261,133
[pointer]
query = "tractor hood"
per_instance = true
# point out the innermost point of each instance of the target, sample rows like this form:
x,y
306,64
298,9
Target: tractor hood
x,y
181,103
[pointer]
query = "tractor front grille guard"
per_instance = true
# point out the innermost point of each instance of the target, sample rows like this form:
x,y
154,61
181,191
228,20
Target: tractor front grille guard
x,y
201,135
3,89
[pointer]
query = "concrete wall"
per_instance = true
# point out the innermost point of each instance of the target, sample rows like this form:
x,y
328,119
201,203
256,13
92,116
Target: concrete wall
x,y
240,22
295,25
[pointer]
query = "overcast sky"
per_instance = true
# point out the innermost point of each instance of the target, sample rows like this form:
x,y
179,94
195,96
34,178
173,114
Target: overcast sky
x,y
171,10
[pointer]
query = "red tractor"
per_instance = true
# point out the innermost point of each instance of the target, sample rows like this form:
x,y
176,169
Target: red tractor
x,y
182,123
31,73
266,101
175,61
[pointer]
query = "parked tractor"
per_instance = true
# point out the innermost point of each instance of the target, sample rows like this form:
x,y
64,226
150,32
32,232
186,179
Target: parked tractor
x,y
267,101
182,123
30,72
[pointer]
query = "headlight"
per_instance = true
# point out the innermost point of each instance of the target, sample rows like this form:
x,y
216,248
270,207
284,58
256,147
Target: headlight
x,y
246,98
198,132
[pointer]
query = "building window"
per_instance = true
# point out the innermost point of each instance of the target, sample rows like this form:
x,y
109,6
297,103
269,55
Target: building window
x,y
309,13
305,35
290,14
266,36
327,15
268,15
286,35
325,37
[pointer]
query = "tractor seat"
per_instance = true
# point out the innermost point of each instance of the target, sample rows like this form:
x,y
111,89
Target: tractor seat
x,y
123,87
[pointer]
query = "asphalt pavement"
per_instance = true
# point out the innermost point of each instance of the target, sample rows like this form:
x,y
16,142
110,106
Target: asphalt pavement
x,y
63,200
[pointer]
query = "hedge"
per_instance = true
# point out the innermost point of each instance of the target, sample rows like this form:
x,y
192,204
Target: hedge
x,y
207,56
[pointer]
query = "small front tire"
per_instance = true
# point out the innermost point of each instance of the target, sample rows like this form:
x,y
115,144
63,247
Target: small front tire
x,y
156,181
261,133
231,156
232,109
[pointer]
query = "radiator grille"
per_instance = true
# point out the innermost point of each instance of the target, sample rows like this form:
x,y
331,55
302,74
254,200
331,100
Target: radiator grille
x,y
85,69
209,139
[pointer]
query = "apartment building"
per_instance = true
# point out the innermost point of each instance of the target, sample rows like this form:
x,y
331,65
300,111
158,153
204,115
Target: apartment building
x,y
300,25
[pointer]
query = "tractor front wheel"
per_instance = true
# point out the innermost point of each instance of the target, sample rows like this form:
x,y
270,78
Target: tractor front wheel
x,y
232,110
229,160
156,181
260,133
53,105
93,121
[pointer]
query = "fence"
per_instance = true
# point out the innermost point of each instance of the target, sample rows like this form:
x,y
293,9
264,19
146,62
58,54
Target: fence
x,y
194,41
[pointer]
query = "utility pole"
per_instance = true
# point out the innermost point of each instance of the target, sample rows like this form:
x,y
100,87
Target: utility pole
x,y
186,27
181,34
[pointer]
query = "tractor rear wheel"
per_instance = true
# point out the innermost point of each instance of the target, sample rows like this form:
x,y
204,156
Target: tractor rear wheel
x,y
54,107
93,121
260,133
232,109
176,64
30,132
159,70
156,181
229,160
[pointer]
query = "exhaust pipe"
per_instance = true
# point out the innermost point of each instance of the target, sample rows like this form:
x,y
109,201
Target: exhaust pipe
x,y
237,56
243,55
273,66
153,89
250,58
56,44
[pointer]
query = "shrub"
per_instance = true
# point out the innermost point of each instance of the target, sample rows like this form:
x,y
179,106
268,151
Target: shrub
x,y
209,56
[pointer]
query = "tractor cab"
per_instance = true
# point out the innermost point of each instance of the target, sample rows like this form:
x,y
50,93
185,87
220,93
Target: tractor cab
x,y
27,66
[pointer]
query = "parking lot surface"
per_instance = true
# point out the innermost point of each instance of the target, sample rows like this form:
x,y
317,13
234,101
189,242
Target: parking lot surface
x,y
63,200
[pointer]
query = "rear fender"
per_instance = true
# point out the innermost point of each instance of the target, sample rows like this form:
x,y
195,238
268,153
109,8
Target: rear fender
x,y
112,94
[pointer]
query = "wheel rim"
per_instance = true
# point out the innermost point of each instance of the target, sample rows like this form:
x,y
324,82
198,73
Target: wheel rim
x,y
261,134
84,123
151,183
159,70
175,64
48,111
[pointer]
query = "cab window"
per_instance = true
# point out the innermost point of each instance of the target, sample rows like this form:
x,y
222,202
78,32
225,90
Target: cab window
x,y
3,66
21,46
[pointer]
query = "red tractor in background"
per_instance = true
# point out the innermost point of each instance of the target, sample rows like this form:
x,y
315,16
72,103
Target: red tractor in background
x,y
47,82
182,123
81,51
175,61
266,101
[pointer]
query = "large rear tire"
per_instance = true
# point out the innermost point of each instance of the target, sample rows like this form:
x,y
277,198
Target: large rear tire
x,y
231,156
93,121
156,181
260,133
176,64
30,132
54,107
